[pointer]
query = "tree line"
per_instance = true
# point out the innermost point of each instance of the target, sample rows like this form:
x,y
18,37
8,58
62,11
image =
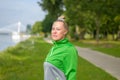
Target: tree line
x,y
98,18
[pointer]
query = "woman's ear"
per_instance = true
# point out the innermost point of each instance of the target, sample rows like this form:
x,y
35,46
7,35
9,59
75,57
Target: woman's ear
x,y
65,32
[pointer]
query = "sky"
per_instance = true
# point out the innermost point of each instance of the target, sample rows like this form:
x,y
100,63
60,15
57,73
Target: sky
x,y
24,11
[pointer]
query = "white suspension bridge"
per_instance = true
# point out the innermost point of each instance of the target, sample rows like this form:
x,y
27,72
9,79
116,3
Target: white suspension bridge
x,y
17,30
16,27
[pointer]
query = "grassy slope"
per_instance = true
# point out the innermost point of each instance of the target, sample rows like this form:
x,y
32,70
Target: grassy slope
x,y
25,62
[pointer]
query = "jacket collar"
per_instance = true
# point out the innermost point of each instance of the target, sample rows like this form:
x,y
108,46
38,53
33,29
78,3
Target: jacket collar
x,y
63,41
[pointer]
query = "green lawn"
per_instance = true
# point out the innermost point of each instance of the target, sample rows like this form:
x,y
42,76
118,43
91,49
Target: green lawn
x,y
25,62
107,47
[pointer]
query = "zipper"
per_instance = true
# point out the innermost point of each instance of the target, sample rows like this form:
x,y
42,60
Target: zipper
x,y
51,51
55,45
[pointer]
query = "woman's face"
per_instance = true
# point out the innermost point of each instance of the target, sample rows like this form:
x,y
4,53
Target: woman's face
x,y
58,31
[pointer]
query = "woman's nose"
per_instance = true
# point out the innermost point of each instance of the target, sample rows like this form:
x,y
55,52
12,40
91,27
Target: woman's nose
x,y
54,31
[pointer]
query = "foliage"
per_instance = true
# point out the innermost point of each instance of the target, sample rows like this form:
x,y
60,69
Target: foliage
x,y
90,14
28,28
47,23
97,17
54,8
37,27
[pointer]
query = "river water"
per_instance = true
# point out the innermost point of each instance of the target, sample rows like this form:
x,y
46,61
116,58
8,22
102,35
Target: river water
x,y
6,41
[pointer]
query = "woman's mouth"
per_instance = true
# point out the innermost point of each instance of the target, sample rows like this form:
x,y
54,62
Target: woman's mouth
x,y
54,35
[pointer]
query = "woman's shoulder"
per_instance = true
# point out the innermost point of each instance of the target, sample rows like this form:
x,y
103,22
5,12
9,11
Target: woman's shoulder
x,y
71,48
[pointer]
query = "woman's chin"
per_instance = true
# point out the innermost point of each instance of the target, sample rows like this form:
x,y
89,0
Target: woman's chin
x,y
55,39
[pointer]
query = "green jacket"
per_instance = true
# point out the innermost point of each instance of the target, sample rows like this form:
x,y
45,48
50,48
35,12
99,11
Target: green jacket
x,y
64,56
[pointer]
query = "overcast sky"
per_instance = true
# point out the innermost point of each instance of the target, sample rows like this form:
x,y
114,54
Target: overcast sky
x,y
25,11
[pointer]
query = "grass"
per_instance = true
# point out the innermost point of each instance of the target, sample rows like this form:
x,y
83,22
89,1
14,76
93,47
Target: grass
x,y
87,71
107,47
25,62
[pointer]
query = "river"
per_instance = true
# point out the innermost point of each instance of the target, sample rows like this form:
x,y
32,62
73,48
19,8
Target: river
x,y
6,41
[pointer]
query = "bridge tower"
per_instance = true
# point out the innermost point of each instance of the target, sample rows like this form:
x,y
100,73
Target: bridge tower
x,y
19,25
16,34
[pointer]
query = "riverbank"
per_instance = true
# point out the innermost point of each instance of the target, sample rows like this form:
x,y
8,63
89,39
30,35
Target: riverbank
x,y
7,40
24,61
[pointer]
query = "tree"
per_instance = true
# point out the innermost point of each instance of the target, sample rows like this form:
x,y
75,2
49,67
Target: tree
x,y
74,16
54,8
47,23
117,21
37,27
28,30
77,11
97,17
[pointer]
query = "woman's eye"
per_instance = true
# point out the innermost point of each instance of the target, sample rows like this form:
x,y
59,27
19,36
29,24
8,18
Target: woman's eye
x,y
58,29
53,28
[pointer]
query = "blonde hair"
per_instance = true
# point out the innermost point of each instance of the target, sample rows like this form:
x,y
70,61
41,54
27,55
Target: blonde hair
x,y
62,19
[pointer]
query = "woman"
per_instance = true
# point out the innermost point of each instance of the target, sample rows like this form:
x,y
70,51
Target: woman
x,y
61,61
